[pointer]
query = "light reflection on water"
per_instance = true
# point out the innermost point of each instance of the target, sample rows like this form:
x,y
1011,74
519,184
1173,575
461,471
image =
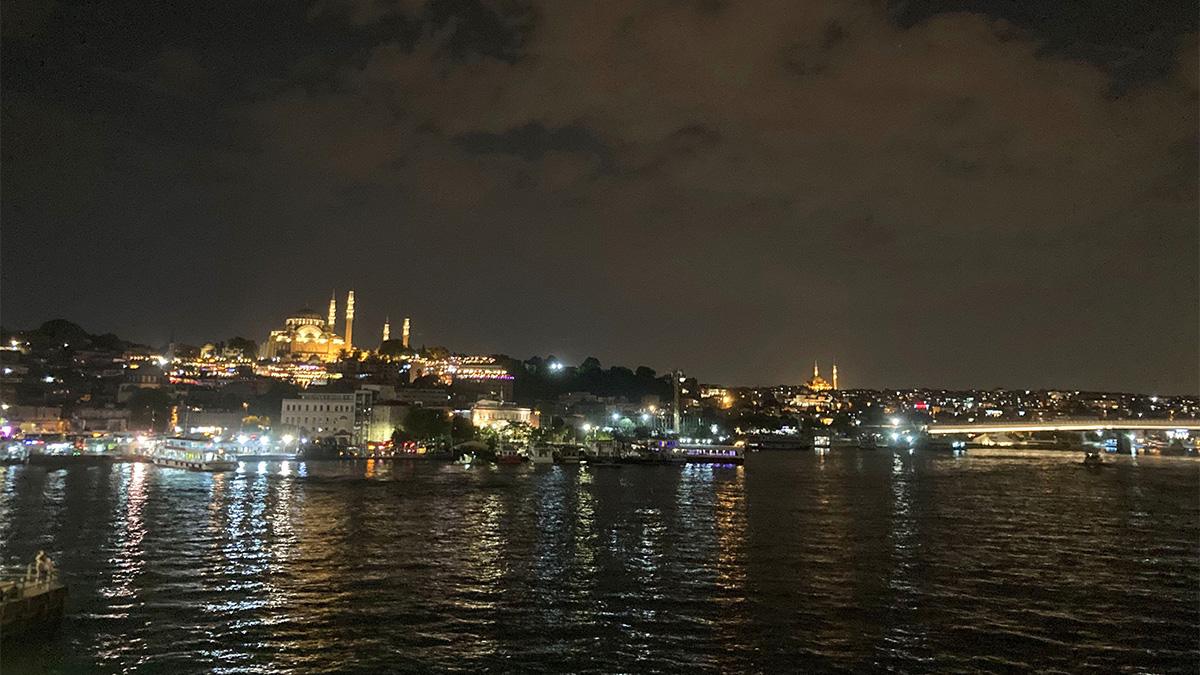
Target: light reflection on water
x,y
855,561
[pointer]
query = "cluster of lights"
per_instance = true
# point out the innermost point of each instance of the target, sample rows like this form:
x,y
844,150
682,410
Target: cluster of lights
x,y
304,374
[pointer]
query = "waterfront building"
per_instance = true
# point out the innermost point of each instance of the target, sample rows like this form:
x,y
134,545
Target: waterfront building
x,y
35,419
343,415
320,415
386,417
494,414
101,419
194,420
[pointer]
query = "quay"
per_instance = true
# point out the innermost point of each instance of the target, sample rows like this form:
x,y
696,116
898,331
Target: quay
x,y
31,599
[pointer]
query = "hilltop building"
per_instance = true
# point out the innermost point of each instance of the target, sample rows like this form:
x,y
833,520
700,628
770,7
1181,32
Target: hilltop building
x,y
818,383
306,336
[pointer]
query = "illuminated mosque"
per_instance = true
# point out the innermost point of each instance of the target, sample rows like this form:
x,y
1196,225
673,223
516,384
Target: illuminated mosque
x,y
307,336
818,383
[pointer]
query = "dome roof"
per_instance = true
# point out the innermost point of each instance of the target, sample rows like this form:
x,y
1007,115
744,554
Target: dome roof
x,y
305,313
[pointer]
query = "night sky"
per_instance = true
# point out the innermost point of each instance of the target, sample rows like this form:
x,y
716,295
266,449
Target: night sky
x,y
949,194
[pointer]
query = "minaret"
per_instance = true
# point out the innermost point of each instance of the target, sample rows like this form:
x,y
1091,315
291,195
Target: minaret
x,y
332,324
816,372
387,329
404,334
350,322
835,376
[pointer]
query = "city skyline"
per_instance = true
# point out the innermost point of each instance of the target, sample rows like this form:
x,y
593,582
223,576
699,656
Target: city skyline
x,y
824,374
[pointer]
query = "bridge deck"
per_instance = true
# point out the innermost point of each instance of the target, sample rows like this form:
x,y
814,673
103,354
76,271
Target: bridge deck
x,y
1064,425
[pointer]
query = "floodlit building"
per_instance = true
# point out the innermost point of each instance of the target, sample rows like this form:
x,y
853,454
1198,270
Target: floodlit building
x,y
320,415
487,413
818,383
307,336
345,415
386,417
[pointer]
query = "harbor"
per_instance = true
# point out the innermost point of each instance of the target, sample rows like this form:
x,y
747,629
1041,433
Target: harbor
x,y
203,571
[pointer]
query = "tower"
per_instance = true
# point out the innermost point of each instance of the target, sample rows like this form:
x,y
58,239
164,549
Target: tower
x,y
387,329
404,334
350,322
816,372
332,323
835,376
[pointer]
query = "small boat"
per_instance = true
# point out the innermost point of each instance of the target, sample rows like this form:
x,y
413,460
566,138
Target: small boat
x,y
570,454
193,454
31,599
509,455
541,454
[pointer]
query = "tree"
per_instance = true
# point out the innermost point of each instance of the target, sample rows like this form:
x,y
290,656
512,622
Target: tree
x,y
393,348
461,429
248,348
426,424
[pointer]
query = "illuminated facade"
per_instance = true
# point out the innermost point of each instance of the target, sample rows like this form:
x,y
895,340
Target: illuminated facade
x,y
818,383
496,415
307,336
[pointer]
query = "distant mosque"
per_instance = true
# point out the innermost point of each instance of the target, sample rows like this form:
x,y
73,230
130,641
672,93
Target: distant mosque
x,y
306,336
818,383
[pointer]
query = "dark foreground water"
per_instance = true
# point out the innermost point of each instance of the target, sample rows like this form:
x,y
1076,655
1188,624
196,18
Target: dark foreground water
x,y
855,561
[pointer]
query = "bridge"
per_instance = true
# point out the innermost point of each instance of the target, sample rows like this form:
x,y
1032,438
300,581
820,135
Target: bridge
x,y
1063,425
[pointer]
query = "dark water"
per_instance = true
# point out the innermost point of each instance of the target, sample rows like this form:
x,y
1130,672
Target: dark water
x,y
851,562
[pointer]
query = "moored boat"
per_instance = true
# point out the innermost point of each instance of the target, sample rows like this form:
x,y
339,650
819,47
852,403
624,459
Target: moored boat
x,y
509,455
541,454
712,454
193,454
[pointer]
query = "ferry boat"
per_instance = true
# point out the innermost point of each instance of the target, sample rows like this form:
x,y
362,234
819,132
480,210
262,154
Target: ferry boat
x,y
193,454
712,454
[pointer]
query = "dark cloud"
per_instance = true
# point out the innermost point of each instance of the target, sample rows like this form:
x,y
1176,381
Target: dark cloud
x,y
532,141
936,194
1135,42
